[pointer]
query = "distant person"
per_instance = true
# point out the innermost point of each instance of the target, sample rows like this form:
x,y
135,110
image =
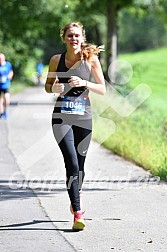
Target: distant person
x,y
39,69
70,76
6,75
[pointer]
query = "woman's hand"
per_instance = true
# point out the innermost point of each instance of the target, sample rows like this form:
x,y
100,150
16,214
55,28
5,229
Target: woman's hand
x,y
57,87
75,81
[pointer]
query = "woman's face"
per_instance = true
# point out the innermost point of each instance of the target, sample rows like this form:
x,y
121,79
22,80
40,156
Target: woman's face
x,y
73,38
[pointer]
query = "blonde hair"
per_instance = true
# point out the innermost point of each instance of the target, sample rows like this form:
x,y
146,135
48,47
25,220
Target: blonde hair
x,y
88,50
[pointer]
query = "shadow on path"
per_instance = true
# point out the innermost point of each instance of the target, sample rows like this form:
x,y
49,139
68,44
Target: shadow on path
x,y
23,226
15,189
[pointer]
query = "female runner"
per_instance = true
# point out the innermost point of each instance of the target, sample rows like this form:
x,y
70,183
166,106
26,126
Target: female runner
x,y
70,75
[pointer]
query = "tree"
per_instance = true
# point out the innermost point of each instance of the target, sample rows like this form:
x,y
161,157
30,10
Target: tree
x,y
20,27
141,30
27,25
111,9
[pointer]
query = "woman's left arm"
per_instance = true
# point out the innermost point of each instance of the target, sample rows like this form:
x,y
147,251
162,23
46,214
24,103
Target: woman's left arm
x,y
97,73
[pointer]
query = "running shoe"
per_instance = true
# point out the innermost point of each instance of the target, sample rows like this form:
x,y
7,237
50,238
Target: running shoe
x,y
79,222
5,115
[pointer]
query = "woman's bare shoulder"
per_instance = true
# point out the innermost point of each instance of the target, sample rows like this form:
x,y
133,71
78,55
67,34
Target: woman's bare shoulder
x,y
54,61
93,63
55,58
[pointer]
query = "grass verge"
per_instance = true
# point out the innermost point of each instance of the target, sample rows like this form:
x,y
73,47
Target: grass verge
x,y
141,136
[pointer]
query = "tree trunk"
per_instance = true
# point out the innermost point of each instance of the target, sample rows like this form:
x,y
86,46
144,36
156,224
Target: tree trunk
x,y
98,37
111,32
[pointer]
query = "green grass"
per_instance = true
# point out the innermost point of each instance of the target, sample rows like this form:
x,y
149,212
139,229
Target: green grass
x,y
142,136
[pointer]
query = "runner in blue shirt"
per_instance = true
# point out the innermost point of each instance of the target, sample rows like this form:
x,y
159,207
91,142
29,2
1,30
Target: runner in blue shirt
x,y
39,68
6,75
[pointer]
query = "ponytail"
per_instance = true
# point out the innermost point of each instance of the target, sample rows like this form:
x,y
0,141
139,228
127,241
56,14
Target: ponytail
x,y
88,51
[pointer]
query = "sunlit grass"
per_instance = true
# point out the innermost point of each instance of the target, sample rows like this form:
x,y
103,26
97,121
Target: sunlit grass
x,y
142,136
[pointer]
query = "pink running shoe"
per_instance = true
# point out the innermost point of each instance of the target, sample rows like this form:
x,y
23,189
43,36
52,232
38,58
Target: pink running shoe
x,y
79,222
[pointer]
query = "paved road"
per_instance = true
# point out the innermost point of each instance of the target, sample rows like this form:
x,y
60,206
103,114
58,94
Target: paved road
x,y
125,207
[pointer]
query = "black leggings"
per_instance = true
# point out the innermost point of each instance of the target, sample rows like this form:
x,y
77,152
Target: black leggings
x,y
73,141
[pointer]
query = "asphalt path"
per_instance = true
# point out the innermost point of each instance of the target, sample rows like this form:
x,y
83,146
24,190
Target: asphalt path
x,y
125,207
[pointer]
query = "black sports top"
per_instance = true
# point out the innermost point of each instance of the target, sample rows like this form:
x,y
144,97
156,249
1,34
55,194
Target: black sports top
x,y
64,74
81,70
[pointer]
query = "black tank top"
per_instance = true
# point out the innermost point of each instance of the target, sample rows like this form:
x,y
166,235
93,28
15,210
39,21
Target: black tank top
x,y
64,74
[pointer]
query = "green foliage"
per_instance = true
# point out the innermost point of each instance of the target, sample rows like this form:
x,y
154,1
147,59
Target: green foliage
x,y
29,27
142,30
20,27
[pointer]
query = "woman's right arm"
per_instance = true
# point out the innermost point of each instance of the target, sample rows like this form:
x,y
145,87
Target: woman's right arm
x,y
51,77
52,84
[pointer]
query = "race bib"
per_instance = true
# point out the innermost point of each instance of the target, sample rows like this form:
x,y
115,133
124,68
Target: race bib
x,y
73,105
3,79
